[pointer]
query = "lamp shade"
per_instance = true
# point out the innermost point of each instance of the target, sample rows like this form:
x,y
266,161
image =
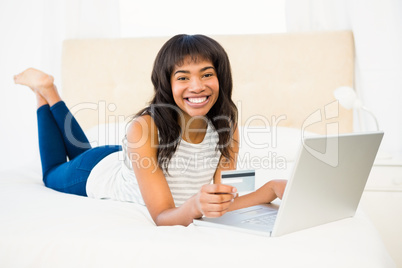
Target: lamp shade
x,y
346,97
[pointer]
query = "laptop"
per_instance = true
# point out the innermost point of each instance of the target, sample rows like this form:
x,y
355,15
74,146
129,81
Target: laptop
x,y
326,185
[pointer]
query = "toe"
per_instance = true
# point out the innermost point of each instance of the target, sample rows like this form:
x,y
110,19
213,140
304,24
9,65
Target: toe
x,y
16,78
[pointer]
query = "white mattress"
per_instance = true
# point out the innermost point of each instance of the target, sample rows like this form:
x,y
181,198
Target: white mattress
x,y
40,227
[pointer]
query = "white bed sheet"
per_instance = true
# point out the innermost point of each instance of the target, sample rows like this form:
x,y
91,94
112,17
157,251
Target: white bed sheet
x,y
40,227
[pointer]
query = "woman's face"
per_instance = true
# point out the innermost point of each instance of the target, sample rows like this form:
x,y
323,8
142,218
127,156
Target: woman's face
x,y
195,87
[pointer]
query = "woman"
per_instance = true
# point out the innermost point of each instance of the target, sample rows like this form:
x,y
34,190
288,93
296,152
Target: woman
x,y
173,148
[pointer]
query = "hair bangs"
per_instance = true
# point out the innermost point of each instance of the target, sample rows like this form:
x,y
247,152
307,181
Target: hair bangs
x,y
193,47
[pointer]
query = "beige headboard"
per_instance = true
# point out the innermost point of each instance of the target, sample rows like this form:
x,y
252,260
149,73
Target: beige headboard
x,y
287,78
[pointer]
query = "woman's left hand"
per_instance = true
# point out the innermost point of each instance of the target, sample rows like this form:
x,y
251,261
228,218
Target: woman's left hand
x,y
271,190
264,195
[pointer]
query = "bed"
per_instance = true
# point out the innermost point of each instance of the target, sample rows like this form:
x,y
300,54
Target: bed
x,y
283,86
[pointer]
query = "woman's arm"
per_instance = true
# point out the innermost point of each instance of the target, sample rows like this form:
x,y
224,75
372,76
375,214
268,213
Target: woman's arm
x,y
212,200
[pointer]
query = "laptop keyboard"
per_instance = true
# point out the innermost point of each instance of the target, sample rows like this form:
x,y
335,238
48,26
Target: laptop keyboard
x,y
267,219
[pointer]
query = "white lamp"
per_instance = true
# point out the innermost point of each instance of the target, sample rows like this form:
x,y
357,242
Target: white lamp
x,y
348,99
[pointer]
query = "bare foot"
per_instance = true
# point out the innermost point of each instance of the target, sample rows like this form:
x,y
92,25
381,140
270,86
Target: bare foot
x,y
34,79
41,83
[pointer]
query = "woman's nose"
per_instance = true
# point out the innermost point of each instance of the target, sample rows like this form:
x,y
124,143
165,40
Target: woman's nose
x,y
196,85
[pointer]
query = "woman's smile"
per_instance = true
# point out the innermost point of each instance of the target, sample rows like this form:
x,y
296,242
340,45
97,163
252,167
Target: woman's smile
x,y
197,101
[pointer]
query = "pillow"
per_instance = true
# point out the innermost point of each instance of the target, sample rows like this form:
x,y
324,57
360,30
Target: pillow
x,y
106,134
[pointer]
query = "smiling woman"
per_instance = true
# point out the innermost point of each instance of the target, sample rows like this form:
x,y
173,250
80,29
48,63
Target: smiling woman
x,y
191,117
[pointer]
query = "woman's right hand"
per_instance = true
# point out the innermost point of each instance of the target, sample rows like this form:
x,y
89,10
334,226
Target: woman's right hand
x,y
214,200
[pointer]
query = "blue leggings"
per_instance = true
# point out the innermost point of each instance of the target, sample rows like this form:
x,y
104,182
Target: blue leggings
x,y
66,155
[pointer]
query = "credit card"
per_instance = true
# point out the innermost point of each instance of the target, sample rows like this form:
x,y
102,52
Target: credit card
x,y
243,180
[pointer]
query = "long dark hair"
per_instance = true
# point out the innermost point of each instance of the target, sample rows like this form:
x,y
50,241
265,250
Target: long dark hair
x,y
163,109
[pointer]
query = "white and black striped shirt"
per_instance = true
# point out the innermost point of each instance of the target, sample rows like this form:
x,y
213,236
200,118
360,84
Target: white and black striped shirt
x,y
191,166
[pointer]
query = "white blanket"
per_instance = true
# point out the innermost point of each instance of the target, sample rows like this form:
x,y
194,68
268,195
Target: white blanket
x,y
40,227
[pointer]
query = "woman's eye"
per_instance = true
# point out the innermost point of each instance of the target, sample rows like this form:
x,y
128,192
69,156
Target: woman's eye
x,y
208,75
181,78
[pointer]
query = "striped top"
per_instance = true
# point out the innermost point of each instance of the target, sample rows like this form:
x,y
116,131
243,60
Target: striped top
x,y
191,166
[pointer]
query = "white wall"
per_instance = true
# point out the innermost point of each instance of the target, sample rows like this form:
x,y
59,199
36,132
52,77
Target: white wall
x,y
20,46
377,29
167,18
